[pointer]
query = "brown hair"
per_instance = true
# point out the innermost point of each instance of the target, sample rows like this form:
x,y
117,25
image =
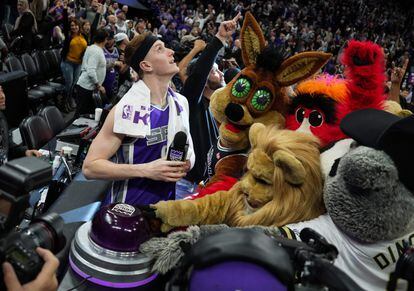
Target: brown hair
x,y
77,23
131,48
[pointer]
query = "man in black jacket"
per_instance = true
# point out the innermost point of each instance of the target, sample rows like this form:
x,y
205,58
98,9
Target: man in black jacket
x,y
203,79
8,151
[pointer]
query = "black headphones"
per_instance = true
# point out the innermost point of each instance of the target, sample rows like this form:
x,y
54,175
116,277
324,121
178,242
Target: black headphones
x,y
247,245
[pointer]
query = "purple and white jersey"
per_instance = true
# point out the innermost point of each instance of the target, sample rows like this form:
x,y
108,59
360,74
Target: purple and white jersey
x,y
143,150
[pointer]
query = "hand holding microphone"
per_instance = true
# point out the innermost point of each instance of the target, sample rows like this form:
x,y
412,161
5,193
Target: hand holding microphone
x,y
176,166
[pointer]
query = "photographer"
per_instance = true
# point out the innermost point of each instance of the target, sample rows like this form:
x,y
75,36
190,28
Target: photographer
x,y
45,281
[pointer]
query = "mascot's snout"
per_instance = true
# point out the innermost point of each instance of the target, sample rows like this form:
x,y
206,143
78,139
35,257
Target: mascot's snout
x,y
234,112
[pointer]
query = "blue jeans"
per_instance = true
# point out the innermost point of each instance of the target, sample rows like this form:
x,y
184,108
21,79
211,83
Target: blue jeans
x,y
184,188
71,72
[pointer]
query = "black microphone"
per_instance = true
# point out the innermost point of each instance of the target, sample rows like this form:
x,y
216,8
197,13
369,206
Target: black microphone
x,y
178,149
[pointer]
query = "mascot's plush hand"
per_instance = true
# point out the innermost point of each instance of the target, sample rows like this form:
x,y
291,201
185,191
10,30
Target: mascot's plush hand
x,y
362,53
366,198
162,212
176,213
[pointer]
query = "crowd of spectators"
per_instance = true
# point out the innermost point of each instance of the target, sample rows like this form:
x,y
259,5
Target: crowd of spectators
x,y
298,25
93,35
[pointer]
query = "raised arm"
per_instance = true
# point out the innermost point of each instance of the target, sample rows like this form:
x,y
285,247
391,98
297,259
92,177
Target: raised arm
x,y
199,45
397,76
194,85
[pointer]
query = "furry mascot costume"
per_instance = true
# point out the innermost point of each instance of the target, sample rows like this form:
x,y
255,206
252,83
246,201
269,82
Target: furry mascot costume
x,y
369,201
320,104
283,184
256,94
370,198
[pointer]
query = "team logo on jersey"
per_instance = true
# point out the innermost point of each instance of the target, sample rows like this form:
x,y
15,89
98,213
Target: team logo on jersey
x,y
127,112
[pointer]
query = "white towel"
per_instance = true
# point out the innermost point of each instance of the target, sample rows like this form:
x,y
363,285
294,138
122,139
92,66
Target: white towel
x,y
132,116
132,113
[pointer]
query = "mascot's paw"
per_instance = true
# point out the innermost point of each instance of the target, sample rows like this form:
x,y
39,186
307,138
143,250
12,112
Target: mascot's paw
x,y
359,53
166,227
176,213
396,109
367,169
164,212
404,113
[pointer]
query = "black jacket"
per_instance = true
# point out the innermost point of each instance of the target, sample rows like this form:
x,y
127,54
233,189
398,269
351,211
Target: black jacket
x,y
203,127
25,29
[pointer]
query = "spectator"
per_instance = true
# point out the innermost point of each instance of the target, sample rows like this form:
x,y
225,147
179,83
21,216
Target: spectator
x,y
73,49
25,25
92,74
203,79
9,150
125,9
112,67
120,24
90,12
121,40
141,26
130,29
111,19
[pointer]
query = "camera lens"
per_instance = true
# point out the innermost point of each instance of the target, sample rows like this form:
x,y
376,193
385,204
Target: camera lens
x,y
47,231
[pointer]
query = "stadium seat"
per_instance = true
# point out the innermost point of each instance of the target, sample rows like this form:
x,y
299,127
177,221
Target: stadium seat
x,y
53,118
35,132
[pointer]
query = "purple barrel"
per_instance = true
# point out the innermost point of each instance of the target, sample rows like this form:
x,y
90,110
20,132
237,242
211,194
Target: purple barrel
x,y
120,227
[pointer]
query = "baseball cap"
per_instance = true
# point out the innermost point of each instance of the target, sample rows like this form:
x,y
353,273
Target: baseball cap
x,y
382,130
120,37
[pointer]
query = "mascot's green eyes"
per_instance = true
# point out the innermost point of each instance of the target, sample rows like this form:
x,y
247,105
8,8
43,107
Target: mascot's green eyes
x,y
261,99
241,88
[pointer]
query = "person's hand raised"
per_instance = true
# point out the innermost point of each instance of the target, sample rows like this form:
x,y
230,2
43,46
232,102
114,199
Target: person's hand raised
x,y
227,28
199,45
398,73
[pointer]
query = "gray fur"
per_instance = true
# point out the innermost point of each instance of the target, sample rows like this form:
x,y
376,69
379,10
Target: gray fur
x,y
167,251
366,199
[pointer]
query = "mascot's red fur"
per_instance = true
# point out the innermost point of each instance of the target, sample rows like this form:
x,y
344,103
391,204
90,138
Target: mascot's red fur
x,y
321,103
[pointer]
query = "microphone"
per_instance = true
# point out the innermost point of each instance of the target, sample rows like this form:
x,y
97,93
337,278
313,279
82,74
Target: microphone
x,y
178,148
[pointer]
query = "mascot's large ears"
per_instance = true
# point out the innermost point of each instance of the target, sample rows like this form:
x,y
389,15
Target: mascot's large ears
x,y
254,132
292,168
300,67
292,70
252,40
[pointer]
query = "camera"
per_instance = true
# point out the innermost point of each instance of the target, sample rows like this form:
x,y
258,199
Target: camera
x,y
17,246
404,269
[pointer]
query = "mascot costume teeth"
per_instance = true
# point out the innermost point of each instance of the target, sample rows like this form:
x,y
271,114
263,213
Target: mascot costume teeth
x,y
256,95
